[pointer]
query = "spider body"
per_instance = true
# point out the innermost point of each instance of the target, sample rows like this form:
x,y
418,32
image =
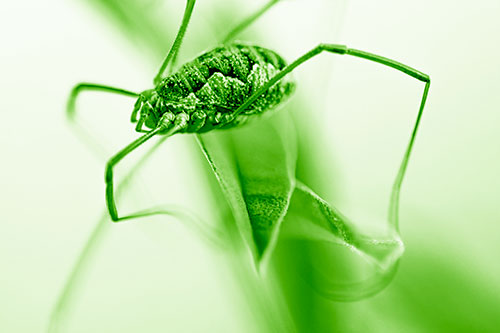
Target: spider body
x,y
209,89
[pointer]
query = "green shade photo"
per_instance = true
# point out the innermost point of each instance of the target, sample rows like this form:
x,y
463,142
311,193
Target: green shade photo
x,y
239,166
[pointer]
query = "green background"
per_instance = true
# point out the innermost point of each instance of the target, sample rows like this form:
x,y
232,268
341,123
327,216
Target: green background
x,y
157,275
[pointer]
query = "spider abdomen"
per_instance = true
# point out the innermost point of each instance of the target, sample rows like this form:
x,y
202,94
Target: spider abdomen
x,y
212,86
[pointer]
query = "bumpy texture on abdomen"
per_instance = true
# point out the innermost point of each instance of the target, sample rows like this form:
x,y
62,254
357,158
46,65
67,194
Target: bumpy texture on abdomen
x,y
217,82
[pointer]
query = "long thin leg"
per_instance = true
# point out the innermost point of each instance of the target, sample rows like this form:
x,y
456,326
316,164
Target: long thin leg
x,y
338,49
81,131
110,198
59,312
180,123
249,20
341,49
172,54
396,187
70,106
64,301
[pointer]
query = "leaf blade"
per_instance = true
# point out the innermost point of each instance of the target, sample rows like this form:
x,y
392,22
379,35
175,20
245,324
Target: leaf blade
x,y
255,166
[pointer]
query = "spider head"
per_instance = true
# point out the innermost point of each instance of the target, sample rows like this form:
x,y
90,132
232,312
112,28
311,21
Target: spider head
x,y
146,110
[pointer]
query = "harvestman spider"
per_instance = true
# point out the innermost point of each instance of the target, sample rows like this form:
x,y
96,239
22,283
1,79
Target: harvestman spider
x,y
221,88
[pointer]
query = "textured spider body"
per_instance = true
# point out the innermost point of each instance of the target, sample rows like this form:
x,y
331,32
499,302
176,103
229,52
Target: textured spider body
x,y
209,89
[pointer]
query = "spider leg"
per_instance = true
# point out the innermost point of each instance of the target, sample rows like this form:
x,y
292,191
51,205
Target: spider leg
x,y
71,110
179,124
249,20
341,49
59,311
80,87
172,54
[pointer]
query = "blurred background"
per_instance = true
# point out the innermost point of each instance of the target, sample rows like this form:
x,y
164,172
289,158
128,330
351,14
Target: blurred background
x,y
158,275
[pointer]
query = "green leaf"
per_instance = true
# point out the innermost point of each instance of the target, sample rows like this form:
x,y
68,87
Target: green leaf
x,y
327,232
255,166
